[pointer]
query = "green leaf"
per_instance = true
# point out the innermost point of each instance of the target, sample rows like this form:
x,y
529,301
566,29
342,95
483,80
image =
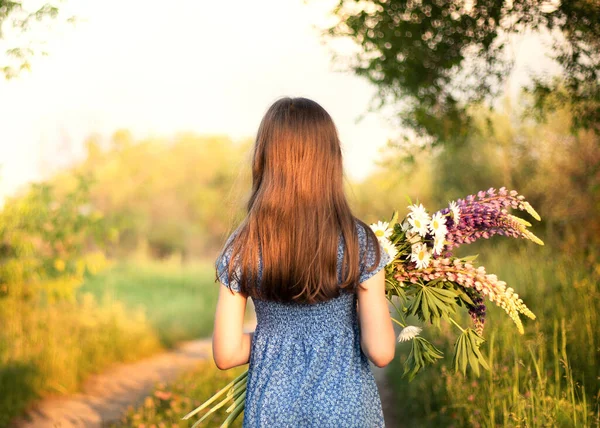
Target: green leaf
x,y
425,306
472,357
465,297
445,294
457,353
463,355
476,341
469,258
415,303
466,350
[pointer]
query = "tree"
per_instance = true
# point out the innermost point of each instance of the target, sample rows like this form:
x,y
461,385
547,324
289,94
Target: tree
x,y
435,57
16,19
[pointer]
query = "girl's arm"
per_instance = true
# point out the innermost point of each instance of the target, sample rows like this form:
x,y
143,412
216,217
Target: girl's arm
x,y
378,339
230,345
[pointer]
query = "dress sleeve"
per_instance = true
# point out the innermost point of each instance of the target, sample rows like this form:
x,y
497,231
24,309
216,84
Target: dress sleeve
x,y
370,256
222,266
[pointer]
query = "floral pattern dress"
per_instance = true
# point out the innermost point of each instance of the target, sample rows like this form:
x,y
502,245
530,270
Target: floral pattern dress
x,y
306,366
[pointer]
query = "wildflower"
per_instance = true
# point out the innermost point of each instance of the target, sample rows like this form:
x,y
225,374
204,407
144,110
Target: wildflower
x,y
390,249
408,333
437,225
419,222
455,211
417,210
438,244
489,216
381,229
420,255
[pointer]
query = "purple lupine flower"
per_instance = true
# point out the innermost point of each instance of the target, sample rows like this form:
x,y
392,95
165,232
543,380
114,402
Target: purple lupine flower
x,y
484,215
476,312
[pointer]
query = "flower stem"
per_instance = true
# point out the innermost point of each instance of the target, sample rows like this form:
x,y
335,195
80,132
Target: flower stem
x,y
398,322
394,305
454,322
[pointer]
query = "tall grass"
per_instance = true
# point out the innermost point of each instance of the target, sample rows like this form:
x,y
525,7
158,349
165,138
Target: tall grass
x,y
546,377
124,314
50,349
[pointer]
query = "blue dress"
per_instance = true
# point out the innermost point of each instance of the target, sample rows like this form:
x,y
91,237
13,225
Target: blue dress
x,y
306,366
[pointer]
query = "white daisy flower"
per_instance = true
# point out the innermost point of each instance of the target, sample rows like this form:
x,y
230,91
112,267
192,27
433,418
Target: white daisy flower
x,y
455,211
438,244
381,229
419,223
437,226
390,249
420,255
408,333
417,210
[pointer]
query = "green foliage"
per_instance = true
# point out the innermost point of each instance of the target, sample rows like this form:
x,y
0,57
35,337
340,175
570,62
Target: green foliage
x,y
177,196
49,241
466,350
422,354
431,303
434,58
15,17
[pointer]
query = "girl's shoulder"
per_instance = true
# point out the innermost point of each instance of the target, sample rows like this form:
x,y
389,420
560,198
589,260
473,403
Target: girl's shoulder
x,y
365,239
369,246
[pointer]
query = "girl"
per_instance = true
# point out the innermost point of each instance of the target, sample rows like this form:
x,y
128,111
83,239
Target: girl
x,y
315,274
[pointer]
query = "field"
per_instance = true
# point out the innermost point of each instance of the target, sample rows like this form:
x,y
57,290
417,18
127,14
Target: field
x,y
178,303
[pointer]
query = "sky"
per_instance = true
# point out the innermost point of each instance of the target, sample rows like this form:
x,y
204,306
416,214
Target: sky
x,y
157,68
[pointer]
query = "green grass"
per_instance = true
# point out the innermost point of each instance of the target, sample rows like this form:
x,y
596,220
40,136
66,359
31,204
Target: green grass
x,y
125,313
178,301
546,377
169,403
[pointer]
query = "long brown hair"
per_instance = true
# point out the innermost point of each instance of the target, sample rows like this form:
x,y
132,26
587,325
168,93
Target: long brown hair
x,y
297,210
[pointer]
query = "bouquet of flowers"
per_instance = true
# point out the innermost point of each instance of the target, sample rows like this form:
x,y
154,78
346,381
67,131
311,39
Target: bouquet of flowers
x,y
430,283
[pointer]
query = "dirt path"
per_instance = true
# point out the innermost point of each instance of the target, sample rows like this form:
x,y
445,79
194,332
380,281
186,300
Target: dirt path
x,y
106,396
